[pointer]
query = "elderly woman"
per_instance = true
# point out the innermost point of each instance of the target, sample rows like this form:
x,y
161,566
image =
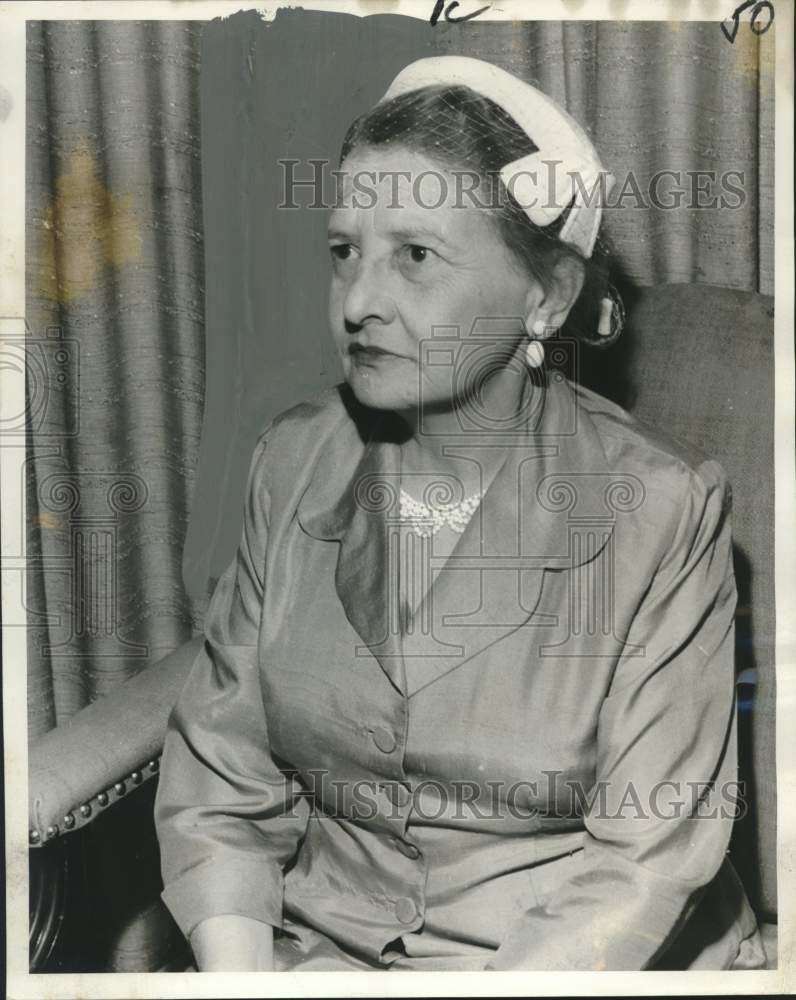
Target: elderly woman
x,y
466,699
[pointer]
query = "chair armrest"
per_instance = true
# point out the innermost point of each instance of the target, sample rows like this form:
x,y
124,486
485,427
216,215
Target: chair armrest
x,y
80,768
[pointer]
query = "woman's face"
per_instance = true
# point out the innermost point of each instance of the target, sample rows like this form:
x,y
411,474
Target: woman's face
x,y
403,272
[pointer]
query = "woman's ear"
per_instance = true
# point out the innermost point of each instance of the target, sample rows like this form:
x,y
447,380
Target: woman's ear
x,y
562,293
534,312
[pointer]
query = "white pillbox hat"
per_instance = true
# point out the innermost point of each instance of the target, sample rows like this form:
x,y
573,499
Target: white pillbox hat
x,y
565,169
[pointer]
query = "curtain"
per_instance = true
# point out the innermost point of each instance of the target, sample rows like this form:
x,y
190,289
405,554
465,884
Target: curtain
x,y
663,95
115,319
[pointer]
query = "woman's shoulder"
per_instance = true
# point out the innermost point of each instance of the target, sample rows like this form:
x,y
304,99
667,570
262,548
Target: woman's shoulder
x,y
318,418
328,427
663,462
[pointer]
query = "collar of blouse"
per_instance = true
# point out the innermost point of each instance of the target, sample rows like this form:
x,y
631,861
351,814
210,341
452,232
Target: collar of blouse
x,y
554,472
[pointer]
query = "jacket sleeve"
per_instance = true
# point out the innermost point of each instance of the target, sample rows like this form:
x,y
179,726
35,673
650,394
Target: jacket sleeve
x,y
228,819
655,835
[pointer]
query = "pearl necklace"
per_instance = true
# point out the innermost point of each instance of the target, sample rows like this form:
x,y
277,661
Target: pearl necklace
x,y
425,520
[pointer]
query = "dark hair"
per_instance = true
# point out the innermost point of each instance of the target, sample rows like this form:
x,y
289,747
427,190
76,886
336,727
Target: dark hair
x,y
465,131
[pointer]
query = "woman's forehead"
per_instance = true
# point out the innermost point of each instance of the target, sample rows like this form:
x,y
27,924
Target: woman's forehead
x,y
393,156
403,176
399,192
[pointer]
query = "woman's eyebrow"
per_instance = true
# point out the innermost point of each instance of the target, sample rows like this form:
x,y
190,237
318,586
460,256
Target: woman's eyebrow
x,y
336,232
413,233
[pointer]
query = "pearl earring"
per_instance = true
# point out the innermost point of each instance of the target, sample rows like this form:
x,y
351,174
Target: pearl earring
x,y
534,354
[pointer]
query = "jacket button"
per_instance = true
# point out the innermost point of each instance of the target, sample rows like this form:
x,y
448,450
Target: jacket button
x,y
384,739
405,910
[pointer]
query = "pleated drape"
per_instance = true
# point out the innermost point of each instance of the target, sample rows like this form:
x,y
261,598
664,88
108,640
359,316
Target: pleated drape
x,y
116,351
662,96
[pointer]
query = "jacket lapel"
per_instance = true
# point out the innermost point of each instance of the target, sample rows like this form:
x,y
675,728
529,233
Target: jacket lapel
x,y
355,509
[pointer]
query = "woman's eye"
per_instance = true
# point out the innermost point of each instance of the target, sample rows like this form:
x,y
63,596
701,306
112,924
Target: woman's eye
x,y
416,253
415,258
341,251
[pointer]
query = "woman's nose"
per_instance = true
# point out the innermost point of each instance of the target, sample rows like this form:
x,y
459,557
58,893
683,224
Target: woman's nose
x,y
367,297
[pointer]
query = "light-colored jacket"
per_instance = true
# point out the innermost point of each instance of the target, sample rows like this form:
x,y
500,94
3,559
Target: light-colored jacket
x,y
540,773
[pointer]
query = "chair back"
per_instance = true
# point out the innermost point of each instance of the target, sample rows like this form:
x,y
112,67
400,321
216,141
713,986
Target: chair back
x,y
698,362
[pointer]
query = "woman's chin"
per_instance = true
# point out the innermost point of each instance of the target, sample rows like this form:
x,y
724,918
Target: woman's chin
x,y
373,390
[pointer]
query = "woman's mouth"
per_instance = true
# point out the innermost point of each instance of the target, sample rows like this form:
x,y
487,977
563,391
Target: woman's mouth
x,y
370,354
